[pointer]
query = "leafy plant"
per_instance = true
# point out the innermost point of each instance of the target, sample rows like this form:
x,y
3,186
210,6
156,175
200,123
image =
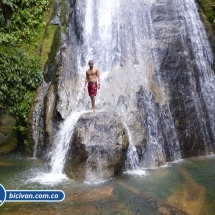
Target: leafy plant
x,y
10,3
25,17
19,77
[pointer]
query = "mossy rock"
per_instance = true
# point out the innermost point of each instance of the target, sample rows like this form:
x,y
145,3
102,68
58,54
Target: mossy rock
x,y
8,140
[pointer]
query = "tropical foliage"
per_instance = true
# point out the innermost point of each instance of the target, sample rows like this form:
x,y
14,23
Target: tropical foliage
x,y
22,25
20,19
19,77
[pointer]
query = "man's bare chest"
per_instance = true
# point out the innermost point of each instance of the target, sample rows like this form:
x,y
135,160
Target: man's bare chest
x,y
91,72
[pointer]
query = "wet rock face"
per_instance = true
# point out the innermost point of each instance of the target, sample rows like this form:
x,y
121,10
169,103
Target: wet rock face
x,y
98,147
36,122
182,74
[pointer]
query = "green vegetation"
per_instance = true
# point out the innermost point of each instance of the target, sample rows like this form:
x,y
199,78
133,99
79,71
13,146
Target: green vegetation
x,y
26,38
208,7
19,78
63,12
10,146
47,42
26,17
8,138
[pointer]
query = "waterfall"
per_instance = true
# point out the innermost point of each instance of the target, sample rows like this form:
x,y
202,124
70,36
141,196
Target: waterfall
x,y
61,141
204,100
132,161
155,63
118,36
101,39
98,33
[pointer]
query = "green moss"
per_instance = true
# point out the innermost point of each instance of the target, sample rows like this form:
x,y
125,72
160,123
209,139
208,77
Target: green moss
x,y
43,38
52,11
48,33
47,43
42,43
208,8
63,29
10,146
63,12
8,140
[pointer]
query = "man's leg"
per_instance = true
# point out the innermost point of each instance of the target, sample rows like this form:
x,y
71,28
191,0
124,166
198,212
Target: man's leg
x,y
93,103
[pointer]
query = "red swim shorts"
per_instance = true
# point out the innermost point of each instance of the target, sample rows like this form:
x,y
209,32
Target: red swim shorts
x,y
92,88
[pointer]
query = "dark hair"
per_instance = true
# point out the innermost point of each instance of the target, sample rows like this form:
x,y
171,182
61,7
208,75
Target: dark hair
x,y
90,61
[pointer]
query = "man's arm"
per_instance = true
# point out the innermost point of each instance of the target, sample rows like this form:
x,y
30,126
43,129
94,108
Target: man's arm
x,y
86,80
98,76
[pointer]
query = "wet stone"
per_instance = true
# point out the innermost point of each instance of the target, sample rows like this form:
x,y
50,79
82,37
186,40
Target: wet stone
x,y
98,147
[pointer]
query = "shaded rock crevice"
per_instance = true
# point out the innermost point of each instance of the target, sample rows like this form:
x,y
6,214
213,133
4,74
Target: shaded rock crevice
x,y
8,138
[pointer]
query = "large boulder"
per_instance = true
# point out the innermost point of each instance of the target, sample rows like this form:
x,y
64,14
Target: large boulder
x,y
98,147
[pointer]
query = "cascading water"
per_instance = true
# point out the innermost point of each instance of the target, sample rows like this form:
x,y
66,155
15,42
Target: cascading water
x,y
101,38
61,142
98,41
118,37
57,154
132,161
155,63
205,99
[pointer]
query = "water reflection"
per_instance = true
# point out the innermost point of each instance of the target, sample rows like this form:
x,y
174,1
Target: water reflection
x,y
188,196
187,187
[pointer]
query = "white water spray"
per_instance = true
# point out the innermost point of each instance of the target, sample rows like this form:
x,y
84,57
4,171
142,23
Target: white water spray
x,y
57,154
132,161
61,143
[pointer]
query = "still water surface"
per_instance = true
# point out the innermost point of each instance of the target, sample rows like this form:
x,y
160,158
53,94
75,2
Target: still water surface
x,y
185,187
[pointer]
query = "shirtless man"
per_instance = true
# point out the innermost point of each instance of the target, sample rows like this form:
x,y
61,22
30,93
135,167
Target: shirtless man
x,y
92,74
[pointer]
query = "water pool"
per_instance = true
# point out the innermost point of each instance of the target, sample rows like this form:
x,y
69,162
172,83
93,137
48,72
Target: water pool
x,y
185,187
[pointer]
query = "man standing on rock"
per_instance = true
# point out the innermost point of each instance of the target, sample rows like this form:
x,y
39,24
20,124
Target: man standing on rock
x,y
92,74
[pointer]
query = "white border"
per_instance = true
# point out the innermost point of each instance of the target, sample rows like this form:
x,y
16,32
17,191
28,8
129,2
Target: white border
x,y
35,200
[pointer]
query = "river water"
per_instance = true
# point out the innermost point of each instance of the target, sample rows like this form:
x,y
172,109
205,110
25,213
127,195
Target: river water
x,y
188,184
